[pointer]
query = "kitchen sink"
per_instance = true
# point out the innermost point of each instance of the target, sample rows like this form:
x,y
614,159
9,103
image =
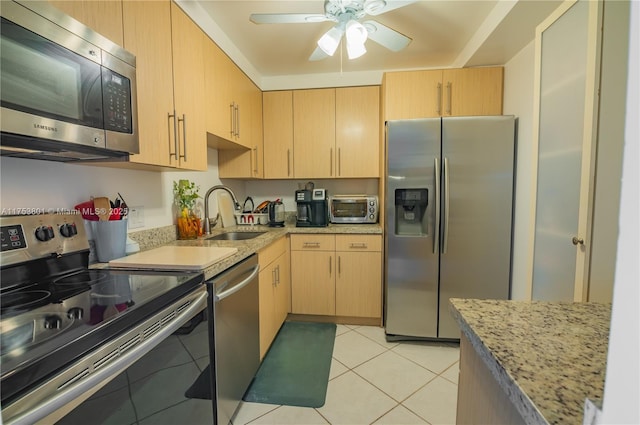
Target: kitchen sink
x,y
235,236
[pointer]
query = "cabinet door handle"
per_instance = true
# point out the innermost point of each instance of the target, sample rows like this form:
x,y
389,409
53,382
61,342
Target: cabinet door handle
x,y
175,136
237,108
330,265
233,119
184,135
339,162
278,274
439,99
311,245
359,245
273,277
449,90
331,161
255,168
339,268
288,162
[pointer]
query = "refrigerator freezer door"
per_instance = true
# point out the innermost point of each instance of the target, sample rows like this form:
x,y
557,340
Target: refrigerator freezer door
x,y
411,237
478,182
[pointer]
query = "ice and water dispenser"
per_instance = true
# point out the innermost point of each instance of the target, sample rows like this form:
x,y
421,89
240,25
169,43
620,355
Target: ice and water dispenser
x,y
411,205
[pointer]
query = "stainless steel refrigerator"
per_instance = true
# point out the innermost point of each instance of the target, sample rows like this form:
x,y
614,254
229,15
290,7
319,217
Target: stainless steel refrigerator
x,y
448,233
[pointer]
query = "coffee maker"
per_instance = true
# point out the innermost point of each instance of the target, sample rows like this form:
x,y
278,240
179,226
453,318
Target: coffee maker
x,y
313,208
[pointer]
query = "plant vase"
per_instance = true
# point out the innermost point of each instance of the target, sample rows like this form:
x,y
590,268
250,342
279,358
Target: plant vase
x,y
189,225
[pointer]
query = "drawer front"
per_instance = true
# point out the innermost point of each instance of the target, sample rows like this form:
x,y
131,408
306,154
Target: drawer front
x,y
358,242
269,253
309,242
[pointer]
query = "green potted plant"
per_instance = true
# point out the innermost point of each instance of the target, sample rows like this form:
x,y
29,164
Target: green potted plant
x,y
185,194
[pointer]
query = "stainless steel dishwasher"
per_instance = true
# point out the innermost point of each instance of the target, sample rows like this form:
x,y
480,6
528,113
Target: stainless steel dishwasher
x,y
235,345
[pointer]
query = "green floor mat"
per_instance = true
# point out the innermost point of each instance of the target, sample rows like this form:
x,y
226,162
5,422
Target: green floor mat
x,y
295,370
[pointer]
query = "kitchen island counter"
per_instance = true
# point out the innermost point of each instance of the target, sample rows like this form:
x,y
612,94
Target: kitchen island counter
x,y
546,357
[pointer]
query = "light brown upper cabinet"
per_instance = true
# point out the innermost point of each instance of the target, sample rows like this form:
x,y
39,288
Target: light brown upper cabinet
x,y
314,133
171,128
230,97
188,81
336,132
358,132
449,92
238,161
277,110
103,16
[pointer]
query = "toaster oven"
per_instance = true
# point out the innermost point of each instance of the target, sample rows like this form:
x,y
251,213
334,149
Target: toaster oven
x,y
350,209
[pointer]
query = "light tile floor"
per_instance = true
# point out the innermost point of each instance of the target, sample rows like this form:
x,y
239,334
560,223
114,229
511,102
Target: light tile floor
x,y
373,381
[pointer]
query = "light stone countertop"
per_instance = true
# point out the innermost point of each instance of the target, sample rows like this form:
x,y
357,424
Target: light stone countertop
x,y
249,246
547,356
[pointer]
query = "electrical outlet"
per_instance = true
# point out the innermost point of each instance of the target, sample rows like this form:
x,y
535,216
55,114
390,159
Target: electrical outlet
x,y
136,217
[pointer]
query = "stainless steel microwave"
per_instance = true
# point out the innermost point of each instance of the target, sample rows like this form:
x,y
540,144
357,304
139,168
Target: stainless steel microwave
x,y
67,92
350,209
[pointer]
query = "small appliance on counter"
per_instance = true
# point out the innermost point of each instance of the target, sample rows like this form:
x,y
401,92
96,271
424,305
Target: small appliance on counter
x,y
276,213
312,208
352,209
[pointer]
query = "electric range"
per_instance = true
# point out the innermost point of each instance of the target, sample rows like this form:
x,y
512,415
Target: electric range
x,y
57,314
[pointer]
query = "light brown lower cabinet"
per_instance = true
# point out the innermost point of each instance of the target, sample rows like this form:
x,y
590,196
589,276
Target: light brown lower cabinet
x,y
275,290
336,275
481,400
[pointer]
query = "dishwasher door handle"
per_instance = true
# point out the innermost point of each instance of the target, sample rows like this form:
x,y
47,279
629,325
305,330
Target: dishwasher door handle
x,y
221,296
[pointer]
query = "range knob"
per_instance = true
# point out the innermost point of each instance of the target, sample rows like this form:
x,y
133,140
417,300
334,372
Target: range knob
x,y
52,322
68,230
371,217
44,233
75,313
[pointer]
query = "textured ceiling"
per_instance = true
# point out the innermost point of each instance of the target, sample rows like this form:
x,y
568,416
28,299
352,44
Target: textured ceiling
x,y
445,33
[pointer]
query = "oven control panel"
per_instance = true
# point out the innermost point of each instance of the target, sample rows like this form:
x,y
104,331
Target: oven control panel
x,y
12,237
27,237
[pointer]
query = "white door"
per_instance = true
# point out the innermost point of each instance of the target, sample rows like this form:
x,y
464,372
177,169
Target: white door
x,y
565,123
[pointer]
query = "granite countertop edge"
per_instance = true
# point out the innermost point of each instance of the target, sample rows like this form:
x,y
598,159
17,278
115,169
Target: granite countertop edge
x,y
520,400
547,356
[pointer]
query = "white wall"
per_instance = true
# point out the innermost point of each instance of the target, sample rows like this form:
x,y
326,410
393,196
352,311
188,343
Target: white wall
x,y
518,101
622,385
28,183
285,189
610,145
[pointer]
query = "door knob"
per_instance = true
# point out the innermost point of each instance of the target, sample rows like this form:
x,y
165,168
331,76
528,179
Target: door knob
x,y
577,241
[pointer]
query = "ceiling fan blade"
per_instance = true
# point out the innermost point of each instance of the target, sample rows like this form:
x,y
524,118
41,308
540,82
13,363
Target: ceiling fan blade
x,y
287,18
373,10
318,54
385,36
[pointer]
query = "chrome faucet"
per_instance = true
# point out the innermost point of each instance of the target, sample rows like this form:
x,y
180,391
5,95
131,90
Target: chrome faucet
x,y
236,205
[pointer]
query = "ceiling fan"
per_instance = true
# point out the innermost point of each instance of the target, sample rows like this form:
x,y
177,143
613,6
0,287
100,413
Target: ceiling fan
x,y
347,15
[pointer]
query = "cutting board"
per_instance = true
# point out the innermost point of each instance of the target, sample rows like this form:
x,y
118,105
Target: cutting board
x,y
175,258
225,206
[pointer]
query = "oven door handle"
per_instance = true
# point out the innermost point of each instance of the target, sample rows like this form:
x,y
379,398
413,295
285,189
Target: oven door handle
x,y
239,286
67,396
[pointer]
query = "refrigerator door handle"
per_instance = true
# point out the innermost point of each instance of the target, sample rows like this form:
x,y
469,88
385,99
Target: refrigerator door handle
x,y
436,222
445,233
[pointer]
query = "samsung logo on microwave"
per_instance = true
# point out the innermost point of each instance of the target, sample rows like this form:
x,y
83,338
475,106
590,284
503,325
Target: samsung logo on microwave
x,y
45,127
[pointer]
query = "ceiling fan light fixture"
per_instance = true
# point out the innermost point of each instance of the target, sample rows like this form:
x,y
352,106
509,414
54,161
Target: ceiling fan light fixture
x,y
356,32
330,40
355,50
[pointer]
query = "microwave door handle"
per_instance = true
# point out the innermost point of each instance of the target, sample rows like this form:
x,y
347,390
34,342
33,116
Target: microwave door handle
x,y
74,391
